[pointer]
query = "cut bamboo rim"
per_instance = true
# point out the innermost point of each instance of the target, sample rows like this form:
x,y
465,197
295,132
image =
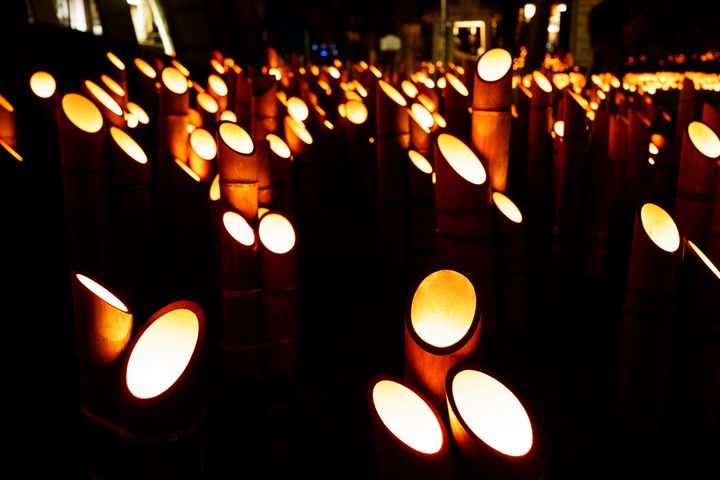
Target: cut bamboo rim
x,y
238,251
409,89
391,114
278,252
356,112
298,137
43,84
203,153
409,435
174,94
139,113
238,169
208,108
492,87
128,173
116,91
297,109
219,90
265,179
145,68
684,114
111,110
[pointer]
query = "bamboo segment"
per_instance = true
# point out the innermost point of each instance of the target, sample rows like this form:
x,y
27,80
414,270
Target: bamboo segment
x,y
685,112
8,123
111,111
281,173
304,165
202,157
421,207
664,187
243,100
455,106
265,179
638,171
238,168
265,107
619,232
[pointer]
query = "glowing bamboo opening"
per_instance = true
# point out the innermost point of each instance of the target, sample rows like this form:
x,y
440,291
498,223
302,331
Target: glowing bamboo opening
x,y
217,66
103,293
462,159
494,64
658,140
103,97
375,71
353,96
660,227
207,102
704,259
215,193
429,83
276,233
427,102
337,63
422,116
42,84
145,68
407,416
492,412
704,139
356,112
113,85
162,353
297,109
581,100
115,61
443,308
359,88
653,149
651,161
217,85
203,143
542,81
315,70
507,207
138,112
239,228
282,96
328,124
334,72
601,95
559,128
11,150
190,127
278,145
341,110
391,92
439,120
228,116
180,67
420,161
82,112
174,80
131,120
128,145
457,84
188,170
409,88
262,211
363,64
236,138
299,130
275,72
320,111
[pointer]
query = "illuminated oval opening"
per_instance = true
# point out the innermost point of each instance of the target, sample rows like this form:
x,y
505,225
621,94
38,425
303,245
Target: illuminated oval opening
x,y
138,112
341,110
145,68
542,81
115,60
328,124
82,112
422,116
375,71
359,88
278,145
356,112
507,207
704,139
174,80
215,189
442,83
276,233
207,102
162,353
297,109
239,228
103,293
492,412
217,85
203,143
180,67
188,170
457,84
462,159
420,161
11,151
658,140
409,88
704,259
653,149
439,120
559,128
353,96
299,130
494,64
217,66
128,145
334,72
443,308
103,97
660,227
429,83
427,102
228,116
42,84
236,138
407,416
391,92
112,85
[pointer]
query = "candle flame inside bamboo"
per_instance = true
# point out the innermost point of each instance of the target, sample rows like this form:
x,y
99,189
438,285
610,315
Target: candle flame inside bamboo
x,y
103,97
409,88
162,353
215,192
441,83
128,145
704,259
341,110
353,96
115,61
82,112
239,228
660,227
42,84
492,412
443,308
507,207
299,130
203,143
103,293
328,124
407,416
704,139
334,72
356,112
392,93
375,71
207,102
542,81
420,161
461,158
145,68
278,145
174,80
457,84
277,233
297,109
494,64
236,137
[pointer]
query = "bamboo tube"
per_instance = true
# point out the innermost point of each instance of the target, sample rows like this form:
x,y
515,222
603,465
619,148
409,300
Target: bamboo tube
x,y
421,124
281,173
265,108
208,109
409,436
518,166
638,171
421,204
142,85
665,178
115,90
117,69
238,169
218,89
8,123
304,174
243,100
649,311
238,251
361,171
442,327
491,428
111,110
684,115
619,231
265,179
455,106
202,158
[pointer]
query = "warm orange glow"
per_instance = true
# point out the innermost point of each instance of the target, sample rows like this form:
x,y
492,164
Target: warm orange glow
x,y
180,67
439,120
427,102
278,145
188,170
353,96
443,308
215,193
282,96
409,88
542,81
494,64
131,120
580,100
100,291
113,85
82,112
328,124
359,88
276,233
507,207
653,149
228,116
275,72
391,92
660,227
325,86
299,130
457,84
492,412
559,128
651,161
319,110
11,150
203,143
315,70
462,159
239,228
375,71
363,64
407,416
704,139
704,259
298,109
420,161
356,112
138,112
128,145
207,102
217,66
262,211
103,97
334,72
341,110
190,127
442,83
162,353
422,116
115,61
371,140
217,85
174,80
145,68
236,137
42,84
337,63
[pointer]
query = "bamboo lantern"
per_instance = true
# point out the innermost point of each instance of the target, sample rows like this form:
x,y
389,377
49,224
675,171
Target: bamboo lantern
x,y
421,129
696,181
238,169
619,232
360,154
281,173
638,170
111,110
491,428
409,89
161,395
421,211
409,435
142,85
684,115
442,328
203,154
85,184
243,99
115,90
265,180
218,89
455,106
649,311
265,107
665,178
301,144
518,168
8,123
118,71
208,108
